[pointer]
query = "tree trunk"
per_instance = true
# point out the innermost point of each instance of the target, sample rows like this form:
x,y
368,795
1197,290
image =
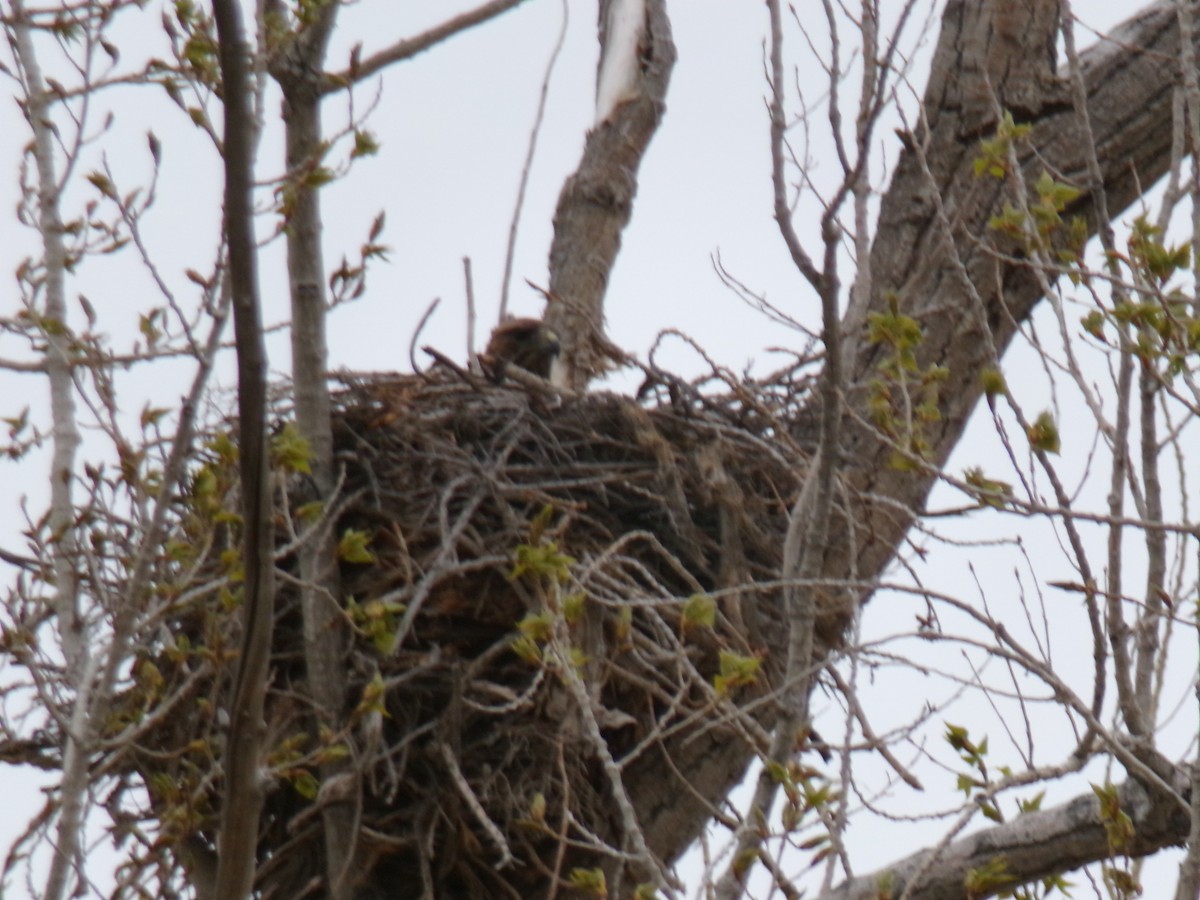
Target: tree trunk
x,y
325,631
243,797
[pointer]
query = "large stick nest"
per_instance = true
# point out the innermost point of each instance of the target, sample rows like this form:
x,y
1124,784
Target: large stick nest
x,y
554,586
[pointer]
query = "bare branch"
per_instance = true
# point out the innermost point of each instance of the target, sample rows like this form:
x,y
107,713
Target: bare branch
x,y
410,47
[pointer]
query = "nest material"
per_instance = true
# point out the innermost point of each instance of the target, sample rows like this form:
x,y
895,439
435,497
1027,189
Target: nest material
x,y
484,777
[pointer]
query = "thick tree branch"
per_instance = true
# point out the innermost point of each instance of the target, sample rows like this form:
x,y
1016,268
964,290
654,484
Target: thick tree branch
x,y
596,202
1034,845
324,628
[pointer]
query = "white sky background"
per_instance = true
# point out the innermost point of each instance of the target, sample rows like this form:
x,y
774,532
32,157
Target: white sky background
x,y
454,126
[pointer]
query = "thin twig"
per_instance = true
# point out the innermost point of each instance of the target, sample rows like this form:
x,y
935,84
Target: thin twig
x,y
481,816
528,166
412,344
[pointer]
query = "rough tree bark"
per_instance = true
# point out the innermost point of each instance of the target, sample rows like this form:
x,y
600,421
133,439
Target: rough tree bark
x,y
597,201
1037,844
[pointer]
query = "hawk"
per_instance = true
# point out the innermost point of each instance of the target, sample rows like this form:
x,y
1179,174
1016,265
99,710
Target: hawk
x,y
527,343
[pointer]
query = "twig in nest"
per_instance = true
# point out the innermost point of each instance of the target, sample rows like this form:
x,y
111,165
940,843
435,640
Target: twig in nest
x,y
476,807
536,385
412,345
472,362
632,829
442,359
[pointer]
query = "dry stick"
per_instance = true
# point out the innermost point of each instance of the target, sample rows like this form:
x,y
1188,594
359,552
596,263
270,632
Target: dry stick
x,y
1118,628
533,139
472,359
780,879
443,563
873,740
630,827
564,824
468,795
412,345
238,839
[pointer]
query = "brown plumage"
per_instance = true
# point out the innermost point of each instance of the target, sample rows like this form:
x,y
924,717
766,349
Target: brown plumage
x,y
527,343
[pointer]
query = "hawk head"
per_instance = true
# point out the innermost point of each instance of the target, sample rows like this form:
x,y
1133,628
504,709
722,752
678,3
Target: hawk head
x,y
527,343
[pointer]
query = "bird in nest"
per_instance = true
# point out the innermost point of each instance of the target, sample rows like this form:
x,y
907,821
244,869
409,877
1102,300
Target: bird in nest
x,y
527,343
